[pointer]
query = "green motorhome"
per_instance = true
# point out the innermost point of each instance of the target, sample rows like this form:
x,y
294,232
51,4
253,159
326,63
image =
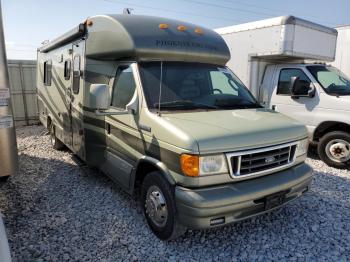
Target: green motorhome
x,y
150,102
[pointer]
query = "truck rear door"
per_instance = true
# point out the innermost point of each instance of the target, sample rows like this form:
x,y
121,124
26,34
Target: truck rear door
x,y
301,108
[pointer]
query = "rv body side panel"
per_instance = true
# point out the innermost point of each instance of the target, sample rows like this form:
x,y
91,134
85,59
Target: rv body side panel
x,y
58,104
342,56
52,91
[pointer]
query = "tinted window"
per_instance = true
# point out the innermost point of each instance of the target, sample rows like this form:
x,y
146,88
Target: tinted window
x,y
47,72
331,79
123,87
284,81
193,86
76,74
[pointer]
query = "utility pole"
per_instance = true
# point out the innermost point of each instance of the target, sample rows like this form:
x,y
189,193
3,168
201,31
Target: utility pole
x,y
8,144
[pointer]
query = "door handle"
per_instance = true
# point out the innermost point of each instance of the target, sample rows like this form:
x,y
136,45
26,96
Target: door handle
x,y
273,107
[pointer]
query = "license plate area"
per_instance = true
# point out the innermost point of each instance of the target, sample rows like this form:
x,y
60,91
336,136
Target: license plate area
x,y
275,200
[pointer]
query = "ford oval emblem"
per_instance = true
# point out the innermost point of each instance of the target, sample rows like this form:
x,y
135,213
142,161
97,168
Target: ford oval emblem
x,y
270,159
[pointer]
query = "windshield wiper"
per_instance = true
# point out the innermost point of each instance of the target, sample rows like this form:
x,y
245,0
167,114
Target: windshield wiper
x,y
183,104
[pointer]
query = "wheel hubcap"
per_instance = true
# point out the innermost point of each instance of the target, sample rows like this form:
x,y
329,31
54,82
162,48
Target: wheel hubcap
x,y
156,207
338,150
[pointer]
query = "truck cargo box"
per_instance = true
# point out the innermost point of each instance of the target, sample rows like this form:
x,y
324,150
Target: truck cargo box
x,y
342,56
285,36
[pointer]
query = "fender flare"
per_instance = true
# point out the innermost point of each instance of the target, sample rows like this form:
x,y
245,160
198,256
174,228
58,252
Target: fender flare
x,y
157,165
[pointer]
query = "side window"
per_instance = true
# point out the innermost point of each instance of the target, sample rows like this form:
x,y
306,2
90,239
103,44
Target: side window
x,y
76,74
47,72
67,67
123,87
284,80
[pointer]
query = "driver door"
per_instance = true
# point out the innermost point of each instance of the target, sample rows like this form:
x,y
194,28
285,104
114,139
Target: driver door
x,y
299,108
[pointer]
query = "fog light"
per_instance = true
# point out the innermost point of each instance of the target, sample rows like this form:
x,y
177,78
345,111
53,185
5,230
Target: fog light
x,y
217,221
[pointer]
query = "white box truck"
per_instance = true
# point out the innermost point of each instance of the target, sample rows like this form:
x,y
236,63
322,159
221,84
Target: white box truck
x,y
270,56
342,55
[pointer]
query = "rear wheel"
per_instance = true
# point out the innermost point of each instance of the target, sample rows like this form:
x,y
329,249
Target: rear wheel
x,y
55,142
334,149
158,202
4,178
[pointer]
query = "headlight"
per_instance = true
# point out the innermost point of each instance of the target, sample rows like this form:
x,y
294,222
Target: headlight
x,y
302,147
194,165
214,164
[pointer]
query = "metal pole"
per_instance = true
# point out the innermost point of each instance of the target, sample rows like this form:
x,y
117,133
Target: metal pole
x,y
8,144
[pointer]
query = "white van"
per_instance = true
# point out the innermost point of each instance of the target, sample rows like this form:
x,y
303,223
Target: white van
x,y
269,56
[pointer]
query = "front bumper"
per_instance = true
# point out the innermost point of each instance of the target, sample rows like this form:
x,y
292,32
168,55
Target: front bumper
x,y
202,208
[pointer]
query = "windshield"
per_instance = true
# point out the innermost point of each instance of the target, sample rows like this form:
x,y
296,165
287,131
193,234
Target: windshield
x,y
193,86
331,79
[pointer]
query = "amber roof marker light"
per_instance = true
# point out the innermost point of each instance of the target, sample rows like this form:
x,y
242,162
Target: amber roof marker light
x,y
89,22
198,31
181,28
163,26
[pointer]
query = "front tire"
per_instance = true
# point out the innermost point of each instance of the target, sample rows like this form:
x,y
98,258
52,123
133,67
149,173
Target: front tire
x,y
158,202
334,149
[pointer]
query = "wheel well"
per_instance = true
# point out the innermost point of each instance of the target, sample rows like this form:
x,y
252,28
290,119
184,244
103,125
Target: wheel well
x,y
142,170
329,126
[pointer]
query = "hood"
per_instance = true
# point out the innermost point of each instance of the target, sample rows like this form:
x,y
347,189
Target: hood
x,y
341,103
229,130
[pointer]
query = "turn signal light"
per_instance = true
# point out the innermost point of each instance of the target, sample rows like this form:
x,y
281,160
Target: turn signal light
x,y
163,26
190,165
181,28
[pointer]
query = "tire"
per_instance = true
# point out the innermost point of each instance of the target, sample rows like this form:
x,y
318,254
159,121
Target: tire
x,y
334,149
55,142
167,228
4,178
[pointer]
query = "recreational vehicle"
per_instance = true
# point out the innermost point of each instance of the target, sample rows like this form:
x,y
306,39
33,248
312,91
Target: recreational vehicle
x,y
270,57
150,102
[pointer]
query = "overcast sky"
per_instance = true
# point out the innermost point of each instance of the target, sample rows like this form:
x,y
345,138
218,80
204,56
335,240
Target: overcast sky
x,y
27,23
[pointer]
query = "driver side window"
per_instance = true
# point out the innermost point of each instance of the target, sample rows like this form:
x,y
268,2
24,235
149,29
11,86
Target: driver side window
x,y
123,87
285,80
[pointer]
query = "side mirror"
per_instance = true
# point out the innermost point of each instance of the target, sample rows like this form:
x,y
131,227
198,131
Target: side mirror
x,y
299,89
294,85
99,96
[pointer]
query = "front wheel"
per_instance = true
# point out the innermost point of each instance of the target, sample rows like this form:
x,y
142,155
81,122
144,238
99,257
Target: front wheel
x,y
334,149
158,202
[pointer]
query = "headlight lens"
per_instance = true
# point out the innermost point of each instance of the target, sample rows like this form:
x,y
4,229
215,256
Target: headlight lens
x,y
214,164
193,165
302,147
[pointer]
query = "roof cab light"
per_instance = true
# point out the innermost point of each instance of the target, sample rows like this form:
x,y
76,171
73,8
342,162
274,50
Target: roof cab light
x,y
181,28
198,31
163,26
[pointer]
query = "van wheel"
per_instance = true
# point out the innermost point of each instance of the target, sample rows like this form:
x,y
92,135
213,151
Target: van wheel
x,y
55,142
158,202
334,149
4,178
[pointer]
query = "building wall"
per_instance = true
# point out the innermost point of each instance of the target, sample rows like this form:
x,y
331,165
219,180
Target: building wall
x,y
22,75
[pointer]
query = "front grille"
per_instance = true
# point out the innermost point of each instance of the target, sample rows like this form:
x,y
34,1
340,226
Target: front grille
x,y
262,160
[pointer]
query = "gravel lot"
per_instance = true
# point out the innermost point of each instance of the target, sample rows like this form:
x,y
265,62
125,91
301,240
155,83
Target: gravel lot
x,y
59,210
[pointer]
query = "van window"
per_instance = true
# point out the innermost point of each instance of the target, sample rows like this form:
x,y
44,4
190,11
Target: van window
x,y
123,87
67,67
47,72
284,80
76,74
